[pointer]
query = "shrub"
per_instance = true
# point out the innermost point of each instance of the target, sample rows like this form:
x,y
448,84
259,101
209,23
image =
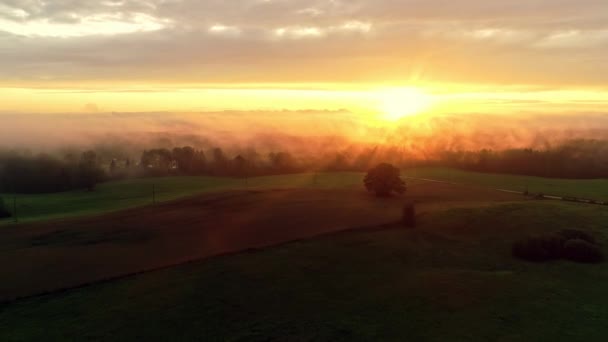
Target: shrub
x,y
541,248
580,250
409,215
4,212
571,244
572,234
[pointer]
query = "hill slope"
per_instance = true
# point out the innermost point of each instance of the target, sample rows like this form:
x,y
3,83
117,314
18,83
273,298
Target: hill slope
x,y
114,196
451,279
45,256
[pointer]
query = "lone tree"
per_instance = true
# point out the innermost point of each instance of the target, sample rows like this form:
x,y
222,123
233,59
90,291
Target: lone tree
x,y
384,180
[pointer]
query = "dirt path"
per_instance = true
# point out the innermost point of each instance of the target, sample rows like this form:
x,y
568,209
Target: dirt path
x,y
41,257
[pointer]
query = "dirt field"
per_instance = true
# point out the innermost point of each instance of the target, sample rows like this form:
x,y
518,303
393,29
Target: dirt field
x,y
60,254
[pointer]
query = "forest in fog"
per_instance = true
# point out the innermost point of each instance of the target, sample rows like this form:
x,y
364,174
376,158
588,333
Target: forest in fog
x,y
29,172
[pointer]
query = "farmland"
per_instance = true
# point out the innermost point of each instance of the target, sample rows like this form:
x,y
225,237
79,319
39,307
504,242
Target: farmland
x,y
311,256
113,196
451,278
585,188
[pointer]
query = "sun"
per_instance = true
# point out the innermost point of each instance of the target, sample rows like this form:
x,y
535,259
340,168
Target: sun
x,y
397,103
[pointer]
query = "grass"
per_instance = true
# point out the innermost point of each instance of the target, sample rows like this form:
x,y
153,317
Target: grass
x,y
44,256
113,196
452,278
586,188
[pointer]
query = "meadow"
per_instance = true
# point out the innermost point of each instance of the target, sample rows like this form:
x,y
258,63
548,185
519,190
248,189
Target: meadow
x,y
300,257
452,278
44,256
120,195
113,196
596,189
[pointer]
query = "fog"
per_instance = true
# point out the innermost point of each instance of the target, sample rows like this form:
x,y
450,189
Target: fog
x,y
305,133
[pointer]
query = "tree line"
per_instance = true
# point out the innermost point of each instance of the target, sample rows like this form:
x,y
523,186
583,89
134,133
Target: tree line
x,y
577,159
20,173
571,159
26,173
190,161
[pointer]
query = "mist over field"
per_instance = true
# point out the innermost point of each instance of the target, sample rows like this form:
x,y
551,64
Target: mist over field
x,y
305,133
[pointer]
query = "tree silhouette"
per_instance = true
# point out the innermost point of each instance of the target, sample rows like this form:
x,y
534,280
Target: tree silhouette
x,y
220,162
185,159
384,180
157,161
282,162
89,172
240,165
113,167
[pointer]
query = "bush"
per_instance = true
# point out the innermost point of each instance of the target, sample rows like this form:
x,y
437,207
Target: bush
x,y
541,248
571,244
573,234
409,215
4,212
580,250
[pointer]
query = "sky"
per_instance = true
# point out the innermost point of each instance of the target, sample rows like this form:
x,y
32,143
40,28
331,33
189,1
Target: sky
x,y
364,56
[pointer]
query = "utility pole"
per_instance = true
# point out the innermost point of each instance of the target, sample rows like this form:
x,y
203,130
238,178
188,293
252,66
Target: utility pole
x,y
153,193
15,209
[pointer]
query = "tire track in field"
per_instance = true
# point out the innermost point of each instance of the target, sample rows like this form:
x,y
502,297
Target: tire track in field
x,y
539,196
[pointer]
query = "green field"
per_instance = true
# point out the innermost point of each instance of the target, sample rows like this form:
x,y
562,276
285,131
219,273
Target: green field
x,y
586,188
43,256
112,196
451,279
120,195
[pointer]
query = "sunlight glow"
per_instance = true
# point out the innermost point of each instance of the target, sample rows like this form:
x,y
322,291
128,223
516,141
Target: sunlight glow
x,y
397,103
377,104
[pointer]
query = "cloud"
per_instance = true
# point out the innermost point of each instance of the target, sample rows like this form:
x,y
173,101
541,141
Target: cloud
x,y
225,30
517,41
100,24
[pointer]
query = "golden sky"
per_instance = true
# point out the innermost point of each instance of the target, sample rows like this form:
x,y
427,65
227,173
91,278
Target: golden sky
x,y
384,57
